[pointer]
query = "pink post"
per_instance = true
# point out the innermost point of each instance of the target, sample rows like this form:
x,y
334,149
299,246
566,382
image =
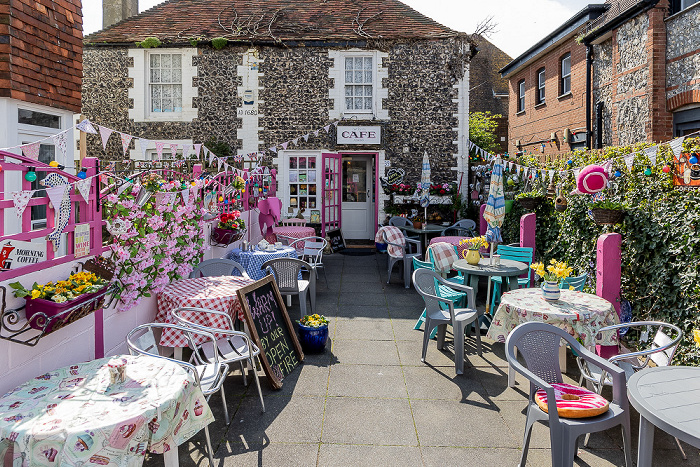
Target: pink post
x,y
528,227
608,278
483,225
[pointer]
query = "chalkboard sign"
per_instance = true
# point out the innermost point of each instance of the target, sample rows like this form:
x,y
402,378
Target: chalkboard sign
x,y
336,240
270,329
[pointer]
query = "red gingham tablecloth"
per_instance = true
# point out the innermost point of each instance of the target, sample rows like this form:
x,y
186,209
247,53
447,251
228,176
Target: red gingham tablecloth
x,y
213,293
294,232
452,241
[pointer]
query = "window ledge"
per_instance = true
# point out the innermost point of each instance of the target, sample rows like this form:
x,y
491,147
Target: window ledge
x,y
541,104
522,112
565,95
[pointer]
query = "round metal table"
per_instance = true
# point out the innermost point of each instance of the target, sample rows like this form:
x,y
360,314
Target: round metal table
x,y
667,397
508,268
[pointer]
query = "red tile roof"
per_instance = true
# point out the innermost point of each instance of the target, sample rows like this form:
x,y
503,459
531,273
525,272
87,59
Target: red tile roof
x,y
273,20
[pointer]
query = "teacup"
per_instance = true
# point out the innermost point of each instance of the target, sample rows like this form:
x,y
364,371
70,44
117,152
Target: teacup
x,y
278,245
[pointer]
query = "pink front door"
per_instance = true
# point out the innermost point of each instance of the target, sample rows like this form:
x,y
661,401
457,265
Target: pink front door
x,y
330,204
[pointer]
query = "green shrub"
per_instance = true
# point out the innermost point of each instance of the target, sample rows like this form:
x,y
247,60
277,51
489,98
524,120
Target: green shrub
x,y
149,43
219,42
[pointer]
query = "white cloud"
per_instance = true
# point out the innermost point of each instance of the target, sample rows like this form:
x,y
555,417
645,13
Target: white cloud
x,y
521,23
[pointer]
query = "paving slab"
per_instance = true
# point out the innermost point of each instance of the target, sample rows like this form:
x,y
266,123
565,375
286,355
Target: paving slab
x,y
372,329
368,455
379,381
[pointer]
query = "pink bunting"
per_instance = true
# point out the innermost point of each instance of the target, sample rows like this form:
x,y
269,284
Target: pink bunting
x,y
105,133
20,200
173,149
31,150
197,148
159,149
126,141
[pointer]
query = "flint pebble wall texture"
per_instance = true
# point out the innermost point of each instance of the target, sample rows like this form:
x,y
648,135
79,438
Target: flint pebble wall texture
x,y
683,52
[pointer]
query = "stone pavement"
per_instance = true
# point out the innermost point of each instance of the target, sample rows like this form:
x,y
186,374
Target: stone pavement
x,y
369,400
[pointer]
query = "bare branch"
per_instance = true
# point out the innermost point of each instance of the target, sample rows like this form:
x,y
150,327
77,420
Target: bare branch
x,y
486,27
359,30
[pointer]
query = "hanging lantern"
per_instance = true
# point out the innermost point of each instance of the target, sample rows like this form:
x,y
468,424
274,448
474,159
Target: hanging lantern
x,y
693,159
221,198
647,171
53,164
83,174
618,174
666,169
30,176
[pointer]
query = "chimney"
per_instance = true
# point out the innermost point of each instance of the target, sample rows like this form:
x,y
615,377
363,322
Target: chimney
x,y
114,11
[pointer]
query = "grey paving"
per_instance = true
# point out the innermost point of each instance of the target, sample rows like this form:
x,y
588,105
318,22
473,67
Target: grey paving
x,y
368,400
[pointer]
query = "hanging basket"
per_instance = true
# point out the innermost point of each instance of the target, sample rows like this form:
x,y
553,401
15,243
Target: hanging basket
x,y
224,237
607,216
529,204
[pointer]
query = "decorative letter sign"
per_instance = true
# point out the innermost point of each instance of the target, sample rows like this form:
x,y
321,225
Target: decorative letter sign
x,y
359,134
15,254
81,237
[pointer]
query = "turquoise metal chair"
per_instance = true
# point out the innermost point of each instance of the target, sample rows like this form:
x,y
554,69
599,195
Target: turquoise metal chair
x,y
577,282
515,253
442,291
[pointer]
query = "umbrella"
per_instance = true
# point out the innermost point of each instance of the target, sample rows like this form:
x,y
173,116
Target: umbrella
x,y
425,184
494,213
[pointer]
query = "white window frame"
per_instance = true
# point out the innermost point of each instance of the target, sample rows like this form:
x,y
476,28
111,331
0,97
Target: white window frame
x,y
521,96
565,78
541,85
140,92
379,93
372,83
151,84
283,184
687,3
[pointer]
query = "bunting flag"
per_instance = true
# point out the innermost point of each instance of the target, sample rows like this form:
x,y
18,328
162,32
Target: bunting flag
x,y
316,133
518,169
284,145
20,200
186,150
218,164
296,141
651,154
56,194
186,196
60,142
86,127
551,176
238,158
576,172
122,188
306,137
173,150
677,146
144,146
159,149
83,187
525,169
197,148
126,142
273,149
629,160
105,133
31,150
327,128
335,124
607,166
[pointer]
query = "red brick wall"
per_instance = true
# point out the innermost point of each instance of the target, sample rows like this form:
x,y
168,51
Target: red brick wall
x,y
41,50
557,113
661,121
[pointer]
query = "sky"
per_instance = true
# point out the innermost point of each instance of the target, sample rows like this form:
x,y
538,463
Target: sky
x,y
520,23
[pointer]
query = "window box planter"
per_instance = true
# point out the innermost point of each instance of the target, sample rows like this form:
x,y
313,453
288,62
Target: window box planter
x,y
51,316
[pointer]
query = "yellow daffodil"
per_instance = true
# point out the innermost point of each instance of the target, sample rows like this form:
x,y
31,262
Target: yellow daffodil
x,y
696,336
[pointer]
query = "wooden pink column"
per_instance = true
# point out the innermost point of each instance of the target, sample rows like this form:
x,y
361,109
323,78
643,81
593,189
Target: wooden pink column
x,y
609,278
528,227
483,225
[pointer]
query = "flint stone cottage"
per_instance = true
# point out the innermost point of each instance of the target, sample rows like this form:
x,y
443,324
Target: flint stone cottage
x,y
257,74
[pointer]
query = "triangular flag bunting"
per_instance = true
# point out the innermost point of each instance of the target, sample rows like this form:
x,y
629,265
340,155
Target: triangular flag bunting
x,y
629,160
86,127
677,146
525,169
551,176
173,149
186,195
105,133
316,132
651,154
218,164
197,148
209,154
518,169
56,194
186,150
327,128
576,172
83,187
284,145
273,149
20,200
60,141
144,146
306,137
159,150
335,124
31,150
126,141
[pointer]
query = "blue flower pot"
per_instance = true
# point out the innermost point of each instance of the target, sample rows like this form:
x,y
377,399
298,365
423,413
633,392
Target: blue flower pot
x,y
313,340
381,247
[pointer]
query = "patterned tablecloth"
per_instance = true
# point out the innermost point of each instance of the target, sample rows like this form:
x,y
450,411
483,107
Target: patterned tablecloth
x,y
213,293
578,313
253,260
293,232
72,416
452,241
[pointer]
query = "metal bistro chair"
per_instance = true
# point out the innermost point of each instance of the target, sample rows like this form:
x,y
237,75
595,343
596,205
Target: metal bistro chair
x,y
425,281
462,228
312,252
286,272
539,345
218,267
577,282
234,346
515,253
660,353
398,221
209,376
406,257
293,221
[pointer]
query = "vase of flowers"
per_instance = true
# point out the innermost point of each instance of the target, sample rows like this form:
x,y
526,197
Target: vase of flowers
x,y
313,333
229,229
552,275
474,244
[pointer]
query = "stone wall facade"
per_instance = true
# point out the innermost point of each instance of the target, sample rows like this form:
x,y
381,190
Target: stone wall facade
x,y
683,58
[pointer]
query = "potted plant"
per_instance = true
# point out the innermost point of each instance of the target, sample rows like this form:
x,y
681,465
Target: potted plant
x,y
552,274
606,212
529,199
52,298
313,333
229,229
474,244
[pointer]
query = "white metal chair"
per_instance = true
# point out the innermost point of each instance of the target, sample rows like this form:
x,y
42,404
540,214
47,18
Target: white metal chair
x,y
538,343
312,252
406,256
209,376
296,221
234,346
218,267
286,273
441,311
462,228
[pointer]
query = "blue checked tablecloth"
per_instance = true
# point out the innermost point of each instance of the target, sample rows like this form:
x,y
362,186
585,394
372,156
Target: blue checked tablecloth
x,y
253,260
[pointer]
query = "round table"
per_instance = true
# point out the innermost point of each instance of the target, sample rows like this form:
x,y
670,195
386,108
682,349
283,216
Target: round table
x,y
508,268
452,240
73,416
293,232
253,260
214,293
424,232
667,397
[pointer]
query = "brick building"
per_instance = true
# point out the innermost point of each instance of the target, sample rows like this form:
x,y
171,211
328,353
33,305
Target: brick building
x,y
40,71
547,87
283,73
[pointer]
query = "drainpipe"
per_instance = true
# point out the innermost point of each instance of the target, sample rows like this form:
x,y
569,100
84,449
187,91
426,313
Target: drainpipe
x,y
599,124
589,65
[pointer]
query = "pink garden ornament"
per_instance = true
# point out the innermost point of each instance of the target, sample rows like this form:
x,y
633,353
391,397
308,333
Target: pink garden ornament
x,y
591,179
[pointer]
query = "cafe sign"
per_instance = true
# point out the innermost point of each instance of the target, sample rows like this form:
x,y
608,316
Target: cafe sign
x,y
359,134
16,254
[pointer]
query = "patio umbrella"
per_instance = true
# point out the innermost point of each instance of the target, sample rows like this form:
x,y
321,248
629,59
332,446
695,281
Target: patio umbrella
x,y
494,213
425,185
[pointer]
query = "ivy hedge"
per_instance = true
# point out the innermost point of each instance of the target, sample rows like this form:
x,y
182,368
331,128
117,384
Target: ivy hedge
x,y
660,235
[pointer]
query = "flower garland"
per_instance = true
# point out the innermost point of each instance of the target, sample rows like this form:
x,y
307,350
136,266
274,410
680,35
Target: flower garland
x,y
155,244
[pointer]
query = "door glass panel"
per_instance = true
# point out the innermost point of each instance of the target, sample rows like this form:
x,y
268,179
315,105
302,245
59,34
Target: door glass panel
x,y
355,181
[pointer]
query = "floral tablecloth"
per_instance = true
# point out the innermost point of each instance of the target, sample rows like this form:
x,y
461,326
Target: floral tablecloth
x,y
252,260
213,293
73,417
578,313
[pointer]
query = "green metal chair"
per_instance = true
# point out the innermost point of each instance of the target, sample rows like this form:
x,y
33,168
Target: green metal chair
x,y
577,282
456,297
515,253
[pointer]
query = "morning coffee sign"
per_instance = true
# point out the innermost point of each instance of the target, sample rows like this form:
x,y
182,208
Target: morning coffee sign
x,y
15,254
359,134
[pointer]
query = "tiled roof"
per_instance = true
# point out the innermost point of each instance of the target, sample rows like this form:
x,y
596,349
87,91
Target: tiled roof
x,y
271,20
616,9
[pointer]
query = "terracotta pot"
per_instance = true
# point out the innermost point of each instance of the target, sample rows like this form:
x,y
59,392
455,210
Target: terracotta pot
x,y
417,225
